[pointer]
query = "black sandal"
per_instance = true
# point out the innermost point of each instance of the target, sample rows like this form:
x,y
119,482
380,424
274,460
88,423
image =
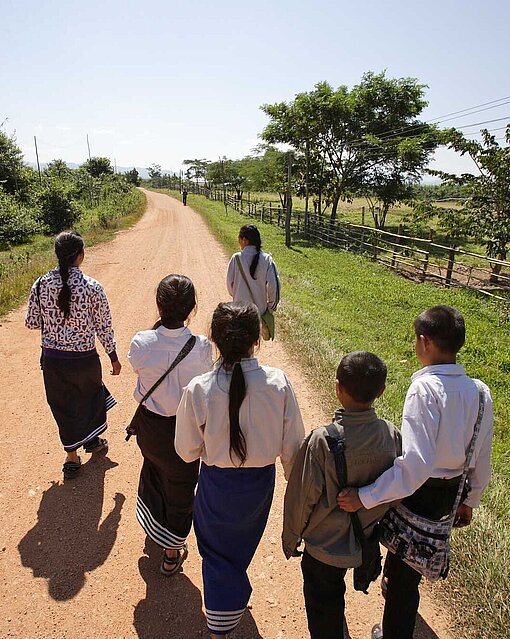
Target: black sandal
x,y
71,469
175,562
97,445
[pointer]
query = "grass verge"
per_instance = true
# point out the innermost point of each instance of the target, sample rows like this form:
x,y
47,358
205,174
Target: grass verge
x,y
23,264
335,302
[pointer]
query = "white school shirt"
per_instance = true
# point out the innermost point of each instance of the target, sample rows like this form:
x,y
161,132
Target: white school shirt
x,y
438,419
269,416
151,354
265,289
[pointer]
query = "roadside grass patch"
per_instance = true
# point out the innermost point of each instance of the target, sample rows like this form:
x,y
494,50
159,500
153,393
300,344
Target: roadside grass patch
x,y
21,265
335,302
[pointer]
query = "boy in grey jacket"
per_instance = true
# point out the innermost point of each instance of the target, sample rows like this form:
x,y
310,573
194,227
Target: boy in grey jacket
x,y
310,510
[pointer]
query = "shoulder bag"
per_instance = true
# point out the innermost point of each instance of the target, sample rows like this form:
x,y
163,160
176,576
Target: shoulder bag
x,y
370,567
186,349
267,318
422,543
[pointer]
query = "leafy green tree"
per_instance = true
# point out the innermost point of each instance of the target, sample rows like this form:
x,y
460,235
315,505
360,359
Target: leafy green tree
x,y
59,209
154,171
350,132
133,177
58,169
485,214
15,178
17,221
231,173
197,170
98,166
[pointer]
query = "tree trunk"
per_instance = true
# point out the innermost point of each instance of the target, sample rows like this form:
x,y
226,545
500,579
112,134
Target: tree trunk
x,y
336,200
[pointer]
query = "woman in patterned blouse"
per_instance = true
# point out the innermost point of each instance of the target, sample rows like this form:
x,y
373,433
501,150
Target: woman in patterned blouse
x,y
71,309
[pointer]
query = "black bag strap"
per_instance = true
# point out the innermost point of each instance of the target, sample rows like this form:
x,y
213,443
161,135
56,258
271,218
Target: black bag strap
x,y
185,350
336,443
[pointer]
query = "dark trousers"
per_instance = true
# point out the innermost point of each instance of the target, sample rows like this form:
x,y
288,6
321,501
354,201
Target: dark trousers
x,y
434,500
324,590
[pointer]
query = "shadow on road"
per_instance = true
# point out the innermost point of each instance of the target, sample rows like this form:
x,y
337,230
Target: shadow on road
x,y
423,630
172,608
67,540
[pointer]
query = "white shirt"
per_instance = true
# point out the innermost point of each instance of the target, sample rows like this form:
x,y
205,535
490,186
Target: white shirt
x,y
90,313
269,416
151,354
265,289
438,419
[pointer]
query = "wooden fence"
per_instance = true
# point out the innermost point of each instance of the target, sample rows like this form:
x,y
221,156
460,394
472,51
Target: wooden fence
x,y
417,258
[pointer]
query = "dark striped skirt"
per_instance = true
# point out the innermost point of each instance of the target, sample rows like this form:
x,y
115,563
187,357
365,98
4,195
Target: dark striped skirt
x,y
77,398
231,510
167,483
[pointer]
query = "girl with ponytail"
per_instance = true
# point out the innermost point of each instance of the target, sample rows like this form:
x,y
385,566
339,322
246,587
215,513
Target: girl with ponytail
x,y
71,309
261,282
167,483
237,419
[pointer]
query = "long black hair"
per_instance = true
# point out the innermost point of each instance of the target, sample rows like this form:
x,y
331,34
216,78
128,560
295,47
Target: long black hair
x,y
176,299
235,328
68,246
251,233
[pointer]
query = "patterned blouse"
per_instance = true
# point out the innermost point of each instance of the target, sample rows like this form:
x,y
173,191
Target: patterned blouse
x,y
90,314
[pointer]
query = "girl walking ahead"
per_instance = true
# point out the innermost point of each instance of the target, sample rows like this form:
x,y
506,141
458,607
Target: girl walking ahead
x,y
252,275
238,419
71,309
167,483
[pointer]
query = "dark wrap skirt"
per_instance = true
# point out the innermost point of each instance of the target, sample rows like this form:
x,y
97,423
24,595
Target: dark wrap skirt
x,y
77,398
231,511
166,490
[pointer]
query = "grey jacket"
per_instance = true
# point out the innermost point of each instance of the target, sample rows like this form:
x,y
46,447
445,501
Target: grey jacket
x,y
310,510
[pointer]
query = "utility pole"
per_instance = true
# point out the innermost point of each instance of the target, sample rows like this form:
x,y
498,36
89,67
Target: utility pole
x,y
306,183
37,157
88,145
90,175
222,162
288,213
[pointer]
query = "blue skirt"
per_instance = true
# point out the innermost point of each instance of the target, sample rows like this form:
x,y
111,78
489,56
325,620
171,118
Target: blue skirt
x,y
230,515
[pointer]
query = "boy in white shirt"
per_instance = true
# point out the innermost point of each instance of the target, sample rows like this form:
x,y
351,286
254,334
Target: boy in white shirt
x,y
438,420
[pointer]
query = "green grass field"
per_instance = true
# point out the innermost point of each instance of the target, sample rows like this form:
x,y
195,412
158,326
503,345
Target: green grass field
x,y
335,302
21,265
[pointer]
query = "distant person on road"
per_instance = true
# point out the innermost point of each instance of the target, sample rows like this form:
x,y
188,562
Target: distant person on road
x,y
371,445
237,419
252,275
167,483
438,421
184,196
71,309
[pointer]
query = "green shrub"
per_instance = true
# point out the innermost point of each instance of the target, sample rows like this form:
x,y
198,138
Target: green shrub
x,y
59,210
17,222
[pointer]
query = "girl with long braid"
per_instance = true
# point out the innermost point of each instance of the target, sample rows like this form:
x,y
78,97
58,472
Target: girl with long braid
x,y
71,309
237,419
259,281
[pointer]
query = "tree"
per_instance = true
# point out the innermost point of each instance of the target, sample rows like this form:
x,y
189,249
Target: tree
x,y
347,133
58,169
154,171
98,166
231,173
485,214
133,177
15,177
197,170
59,210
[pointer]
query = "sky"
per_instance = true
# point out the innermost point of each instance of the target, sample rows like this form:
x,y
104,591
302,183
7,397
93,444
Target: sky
x,y
162,81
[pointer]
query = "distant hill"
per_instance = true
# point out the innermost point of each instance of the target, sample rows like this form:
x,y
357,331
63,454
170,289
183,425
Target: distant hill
x,y
142,171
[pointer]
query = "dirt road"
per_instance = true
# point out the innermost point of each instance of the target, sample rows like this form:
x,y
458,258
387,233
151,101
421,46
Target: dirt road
x,y
73,560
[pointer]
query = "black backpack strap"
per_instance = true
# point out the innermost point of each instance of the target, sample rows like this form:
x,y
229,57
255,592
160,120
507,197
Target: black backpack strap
x,y
336,443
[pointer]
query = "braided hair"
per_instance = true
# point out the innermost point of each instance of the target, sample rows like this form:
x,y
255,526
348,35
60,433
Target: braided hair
x,y
68,246
176,299
251,233
235,328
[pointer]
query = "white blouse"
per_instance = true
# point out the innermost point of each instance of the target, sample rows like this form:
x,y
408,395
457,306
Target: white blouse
x,y
269,416
265,289
152,352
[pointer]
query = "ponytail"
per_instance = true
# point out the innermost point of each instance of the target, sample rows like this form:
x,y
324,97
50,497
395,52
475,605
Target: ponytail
x,y
236,394
251,233
68,246
235,329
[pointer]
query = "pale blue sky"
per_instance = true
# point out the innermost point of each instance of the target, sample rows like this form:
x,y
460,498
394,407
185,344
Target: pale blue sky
x,y
166,81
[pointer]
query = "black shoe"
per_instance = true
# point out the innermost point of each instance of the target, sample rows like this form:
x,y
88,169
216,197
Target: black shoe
x,y
95,445
71,469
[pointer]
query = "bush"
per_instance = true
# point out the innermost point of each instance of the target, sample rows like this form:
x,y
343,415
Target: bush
x,y
17,222
59,210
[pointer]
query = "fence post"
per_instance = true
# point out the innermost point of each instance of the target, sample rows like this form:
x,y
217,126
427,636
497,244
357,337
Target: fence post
x,y
262,211
298,220
449,268
374,246
398,241
424,267
362,216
